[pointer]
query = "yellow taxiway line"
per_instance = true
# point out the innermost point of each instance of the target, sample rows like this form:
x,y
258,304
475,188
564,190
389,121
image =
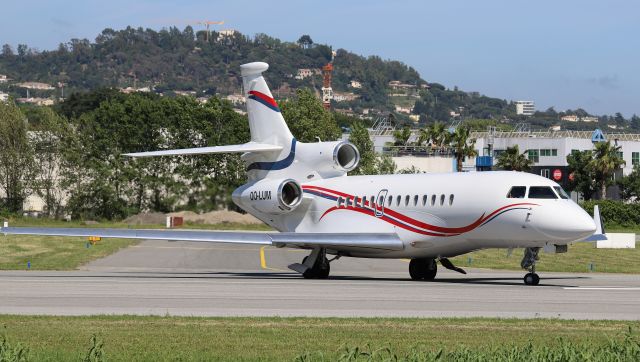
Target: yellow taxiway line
x,y
263,261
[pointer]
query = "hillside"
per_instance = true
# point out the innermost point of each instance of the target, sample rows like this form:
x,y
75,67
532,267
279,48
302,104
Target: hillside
x,y
171,61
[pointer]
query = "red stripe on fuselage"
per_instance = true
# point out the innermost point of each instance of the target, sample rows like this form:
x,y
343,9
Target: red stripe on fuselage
x,y
413,222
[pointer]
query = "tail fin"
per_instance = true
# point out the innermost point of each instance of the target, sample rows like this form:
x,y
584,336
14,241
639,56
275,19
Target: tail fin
x,y
265,120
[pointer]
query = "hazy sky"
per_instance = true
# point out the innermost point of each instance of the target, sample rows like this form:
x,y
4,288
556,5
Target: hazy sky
x,y
562,53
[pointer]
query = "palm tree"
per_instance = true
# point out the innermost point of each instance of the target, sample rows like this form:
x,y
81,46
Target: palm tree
x,y
462,145
401,137
436,135
512,160
606,160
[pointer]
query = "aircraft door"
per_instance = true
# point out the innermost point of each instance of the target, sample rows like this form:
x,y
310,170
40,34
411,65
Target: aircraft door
x,y
378,207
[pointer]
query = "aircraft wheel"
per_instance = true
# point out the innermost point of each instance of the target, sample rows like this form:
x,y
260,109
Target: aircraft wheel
x,y
323,273
531,279
430,273
416,269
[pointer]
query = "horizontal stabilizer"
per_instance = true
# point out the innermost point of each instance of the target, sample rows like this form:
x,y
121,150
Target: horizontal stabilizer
x,y
302,240
245,147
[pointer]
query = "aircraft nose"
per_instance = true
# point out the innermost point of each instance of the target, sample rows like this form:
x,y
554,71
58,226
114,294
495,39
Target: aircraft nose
x,y
570,223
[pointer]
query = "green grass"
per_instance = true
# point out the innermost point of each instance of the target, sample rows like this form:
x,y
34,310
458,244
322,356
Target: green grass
x,y
44,222
52,252
577,259
131,338
68,253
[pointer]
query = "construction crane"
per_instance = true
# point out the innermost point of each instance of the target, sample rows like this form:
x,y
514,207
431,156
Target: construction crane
x,y
208,23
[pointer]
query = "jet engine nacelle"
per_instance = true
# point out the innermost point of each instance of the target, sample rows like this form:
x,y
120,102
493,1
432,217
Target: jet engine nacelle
x,y
270,196
329,158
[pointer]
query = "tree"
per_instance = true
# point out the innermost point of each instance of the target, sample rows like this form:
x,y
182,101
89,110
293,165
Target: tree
x,y
462,146
606,160
7,51
512,160
581,174
630,185
436,135
305,41
385,165
401,137
49,148
16,157
308,120
360,138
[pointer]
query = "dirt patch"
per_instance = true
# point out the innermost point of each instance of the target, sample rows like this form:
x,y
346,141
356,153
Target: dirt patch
x,y
210,218
217,217
146,218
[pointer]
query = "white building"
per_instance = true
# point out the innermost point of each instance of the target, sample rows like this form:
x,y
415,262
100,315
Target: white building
x,y
3,78
304,73
4,97
226,33
525,108
355,84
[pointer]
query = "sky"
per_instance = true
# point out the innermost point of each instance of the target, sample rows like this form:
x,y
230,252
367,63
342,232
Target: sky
x,y
564,53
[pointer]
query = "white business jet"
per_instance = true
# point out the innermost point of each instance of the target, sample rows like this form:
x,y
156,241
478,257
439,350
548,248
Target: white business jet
x,y
303,191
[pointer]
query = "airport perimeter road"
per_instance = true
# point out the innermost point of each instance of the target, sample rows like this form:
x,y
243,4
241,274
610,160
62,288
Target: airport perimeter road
x,y
197,279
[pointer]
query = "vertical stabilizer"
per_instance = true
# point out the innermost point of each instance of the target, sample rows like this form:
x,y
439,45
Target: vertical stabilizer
x,y
265,120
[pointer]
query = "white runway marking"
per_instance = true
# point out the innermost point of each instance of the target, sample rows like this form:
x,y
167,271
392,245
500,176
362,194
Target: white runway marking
x,y
603,288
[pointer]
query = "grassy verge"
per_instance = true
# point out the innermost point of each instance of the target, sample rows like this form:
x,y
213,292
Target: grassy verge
x,y
66,253
128,338
581,258
52,252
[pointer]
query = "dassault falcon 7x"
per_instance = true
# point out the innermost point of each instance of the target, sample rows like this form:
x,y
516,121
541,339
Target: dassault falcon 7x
x,y
303,191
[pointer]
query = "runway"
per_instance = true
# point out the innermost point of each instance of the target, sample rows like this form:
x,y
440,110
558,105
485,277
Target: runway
x,y
199,279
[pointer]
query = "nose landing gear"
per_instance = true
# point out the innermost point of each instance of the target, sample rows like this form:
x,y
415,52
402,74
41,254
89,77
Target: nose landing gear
x,y
529,263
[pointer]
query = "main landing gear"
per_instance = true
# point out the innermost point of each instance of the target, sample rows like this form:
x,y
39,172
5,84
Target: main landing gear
x,y
315,265
427,268
529,263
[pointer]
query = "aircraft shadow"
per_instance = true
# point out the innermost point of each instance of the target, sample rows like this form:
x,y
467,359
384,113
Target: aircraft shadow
x,y
270,275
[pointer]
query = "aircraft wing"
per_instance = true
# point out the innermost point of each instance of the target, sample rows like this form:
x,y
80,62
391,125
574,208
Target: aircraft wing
x,y
245,147
305,240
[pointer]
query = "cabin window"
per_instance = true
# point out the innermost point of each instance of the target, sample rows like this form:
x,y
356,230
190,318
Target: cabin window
x,y
517,192
425,198
348,202
415,200
372,201
363,201
433,200
339,201
355,201
398,198
389,200
541,192
451,199
563,195
381,201
406,200
442,199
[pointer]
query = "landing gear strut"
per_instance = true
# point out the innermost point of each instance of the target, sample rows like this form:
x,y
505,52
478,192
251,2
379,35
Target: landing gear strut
x,y
423,269
529,263
314,266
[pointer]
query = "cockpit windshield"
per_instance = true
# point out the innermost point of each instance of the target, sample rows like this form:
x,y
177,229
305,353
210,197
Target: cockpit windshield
x,y
561,192
541,192
517,192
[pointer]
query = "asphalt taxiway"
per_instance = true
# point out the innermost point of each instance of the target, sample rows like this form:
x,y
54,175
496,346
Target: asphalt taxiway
x,y
200,279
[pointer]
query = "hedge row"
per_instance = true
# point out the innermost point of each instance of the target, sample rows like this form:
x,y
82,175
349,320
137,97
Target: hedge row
x,y
615,213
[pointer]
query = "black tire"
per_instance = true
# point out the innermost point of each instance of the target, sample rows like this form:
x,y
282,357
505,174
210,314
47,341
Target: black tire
x,y
430,272
531,279
416,269
323,273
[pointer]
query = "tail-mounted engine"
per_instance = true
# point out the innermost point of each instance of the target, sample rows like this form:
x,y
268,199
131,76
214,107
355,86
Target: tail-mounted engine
x,y
270,196
329,159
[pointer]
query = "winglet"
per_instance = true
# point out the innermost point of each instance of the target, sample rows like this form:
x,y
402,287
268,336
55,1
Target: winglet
x,y
599,234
